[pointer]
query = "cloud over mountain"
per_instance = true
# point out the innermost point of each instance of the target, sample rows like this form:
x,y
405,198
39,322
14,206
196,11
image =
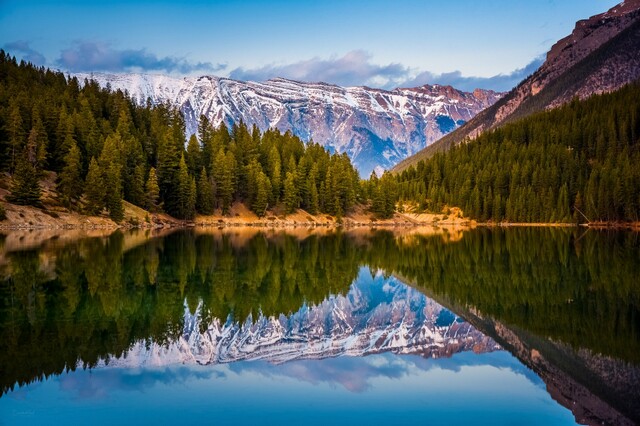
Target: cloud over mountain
x,y
356,68
352,69
100,56
22,49
499,82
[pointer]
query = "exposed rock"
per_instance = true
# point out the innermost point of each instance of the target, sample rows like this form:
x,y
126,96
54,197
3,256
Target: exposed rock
x,y
601,55
376,128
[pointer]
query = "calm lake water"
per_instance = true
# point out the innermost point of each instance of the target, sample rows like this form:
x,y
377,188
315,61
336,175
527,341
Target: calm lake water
x,y
425,326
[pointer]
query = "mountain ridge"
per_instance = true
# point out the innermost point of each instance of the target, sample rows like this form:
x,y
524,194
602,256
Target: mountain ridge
x,y
375,127
601,55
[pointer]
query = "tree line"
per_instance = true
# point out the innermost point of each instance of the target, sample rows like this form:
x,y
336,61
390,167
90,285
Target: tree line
x,y
105,149
576,163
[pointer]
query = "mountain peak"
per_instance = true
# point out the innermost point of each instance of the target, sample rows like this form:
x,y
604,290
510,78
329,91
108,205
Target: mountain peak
x,y
591,33
601,55
375,127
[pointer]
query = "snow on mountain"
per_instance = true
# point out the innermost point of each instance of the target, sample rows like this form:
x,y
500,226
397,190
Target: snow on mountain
x,y
376,128
374,317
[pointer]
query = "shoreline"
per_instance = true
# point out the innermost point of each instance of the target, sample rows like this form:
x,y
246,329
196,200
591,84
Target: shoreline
x,y
285,224
21,218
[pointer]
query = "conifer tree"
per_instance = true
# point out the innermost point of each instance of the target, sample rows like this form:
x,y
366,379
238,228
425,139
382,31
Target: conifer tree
x,y
204,203
262,194
185,195
193,156
38,134
205,135
193,195
224,173
68,142
314,204
290,196
25,188
112,175
16,135
152,191
169,153
137,186
94,189
70,185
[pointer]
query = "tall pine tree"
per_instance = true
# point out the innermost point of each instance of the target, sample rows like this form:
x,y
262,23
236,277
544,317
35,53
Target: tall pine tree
x,y
70,185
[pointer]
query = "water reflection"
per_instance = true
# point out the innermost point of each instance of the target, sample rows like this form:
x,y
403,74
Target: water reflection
x,y
486,387
375,315
566,304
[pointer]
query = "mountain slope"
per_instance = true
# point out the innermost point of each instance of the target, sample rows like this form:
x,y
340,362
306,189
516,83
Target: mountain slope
x,y
376,128
601,55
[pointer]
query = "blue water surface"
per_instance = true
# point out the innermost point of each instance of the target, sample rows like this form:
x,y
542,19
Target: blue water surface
x,y
491,388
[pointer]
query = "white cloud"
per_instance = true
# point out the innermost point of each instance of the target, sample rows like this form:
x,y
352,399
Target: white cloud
x,y
352,69
22,49
99,56
356,69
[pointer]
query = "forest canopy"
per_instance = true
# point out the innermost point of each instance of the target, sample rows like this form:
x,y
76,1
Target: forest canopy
x,y
577,163
105,148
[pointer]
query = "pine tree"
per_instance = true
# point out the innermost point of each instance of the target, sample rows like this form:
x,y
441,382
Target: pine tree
x,y
152,191
16,135
577,209
224,173
137,186
314,205
204,203
68,142
94,189
275,173
185,196
168,166
70,185
193,157
290,196
262,194
112,174
205,135
191,202
39,136
387,195
25,188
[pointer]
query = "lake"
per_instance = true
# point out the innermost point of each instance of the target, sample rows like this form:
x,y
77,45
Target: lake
x,y
248,326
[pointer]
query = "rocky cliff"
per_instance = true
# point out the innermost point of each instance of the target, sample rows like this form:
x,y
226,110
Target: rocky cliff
x,y
601,55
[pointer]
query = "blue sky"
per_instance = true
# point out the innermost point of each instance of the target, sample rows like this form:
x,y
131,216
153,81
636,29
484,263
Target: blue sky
x,y
466,43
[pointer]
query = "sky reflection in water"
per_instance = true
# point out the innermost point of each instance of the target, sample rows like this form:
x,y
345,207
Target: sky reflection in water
x,y
245,304
377,389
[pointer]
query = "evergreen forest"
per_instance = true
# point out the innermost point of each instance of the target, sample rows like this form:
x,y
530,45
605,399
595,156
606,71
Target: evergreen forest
x,y
577,163
104,149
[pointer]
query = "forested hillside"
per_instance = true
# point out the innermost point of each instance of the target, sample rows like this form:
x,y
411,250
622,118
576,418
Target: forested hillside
x,y
601,55
574,164
104,148
580,163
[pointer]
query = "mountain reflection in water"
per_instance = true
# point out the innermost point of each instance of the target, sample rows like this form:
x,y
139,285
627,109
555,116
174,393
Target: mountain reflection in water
x,y
564,302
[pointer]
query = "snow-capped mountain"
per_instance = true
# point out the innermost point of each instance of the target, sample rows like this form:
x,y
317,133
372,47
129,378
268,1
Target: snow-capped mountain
x,y
376,128
375,316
